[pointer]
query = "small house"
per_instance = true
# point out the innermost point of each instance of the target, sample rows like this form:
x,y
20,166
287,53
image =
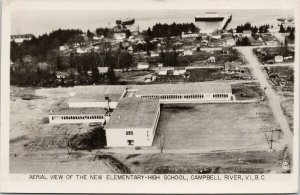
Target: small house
x,y
120,35
230,42
204,42
278,59
103,70
63,48
211,59
216,35
164,70
189,35
187,53
247,33
143,66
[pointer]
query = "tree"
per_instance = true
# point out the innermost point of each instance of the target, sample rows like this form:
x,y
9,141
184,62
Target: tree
x,y
59,64
281,29
89,34
113,80
292,36
245,41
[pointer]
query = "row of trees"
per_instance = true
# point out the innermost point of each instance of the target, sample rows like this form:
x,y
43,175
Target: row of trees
x,y
286,30
40,46
254,29
168,30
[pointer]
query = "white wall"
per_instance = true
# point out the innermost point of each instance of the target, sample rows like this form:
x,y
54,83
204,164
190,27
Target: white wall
x,y
57,119
118,137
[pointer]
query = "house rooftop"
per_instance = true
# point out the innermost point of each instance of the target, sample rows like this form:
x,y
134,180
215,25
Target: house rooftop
x,y
188,88
134,113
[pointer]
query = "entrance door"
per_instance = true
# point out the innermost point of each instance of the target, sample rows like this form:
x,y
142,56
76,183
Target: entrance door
x,y
130,142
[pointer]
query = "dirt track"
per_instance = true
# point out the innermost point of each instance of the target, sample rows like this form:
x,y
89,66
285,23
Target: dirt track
x,y
273,97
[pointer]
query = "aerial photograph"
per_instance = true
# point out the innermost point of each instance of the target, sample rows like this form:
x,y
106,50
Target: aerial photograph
x,y
192,91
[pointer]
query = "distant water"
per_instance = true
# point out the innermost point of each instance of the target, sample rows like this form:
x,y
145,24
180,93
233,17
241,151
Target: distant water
x,y
39,22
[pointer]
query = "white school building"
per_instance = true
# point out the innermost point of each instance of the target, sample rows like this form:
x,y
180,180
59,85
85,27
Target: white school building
x,y
131,113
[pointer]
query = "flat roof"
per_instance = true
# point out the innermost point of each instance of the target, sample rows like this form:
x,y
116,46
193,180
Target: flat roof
x,y
134,113
78,111
97,93
184,88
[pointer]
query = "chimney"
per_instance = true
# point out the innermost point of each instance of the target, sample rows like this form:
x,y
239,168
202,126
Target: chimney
x,y
107,102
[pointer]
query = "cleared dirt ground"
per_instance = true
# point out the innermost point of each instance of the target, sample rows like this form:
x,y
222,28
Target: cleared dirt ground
x,y
215,126
38,147
288,110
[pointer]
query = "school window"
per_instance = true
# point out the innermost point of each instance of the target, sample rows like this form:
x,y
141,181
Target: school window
x,y
129,132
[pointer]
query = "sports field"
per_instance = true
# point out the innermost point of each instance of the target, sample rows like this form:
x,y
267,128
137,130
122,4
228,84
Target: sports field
x,y
215,126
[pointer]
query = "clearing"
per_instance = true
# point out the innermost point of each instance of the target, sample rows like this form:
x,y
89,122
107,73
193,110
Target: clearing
x,y
210,127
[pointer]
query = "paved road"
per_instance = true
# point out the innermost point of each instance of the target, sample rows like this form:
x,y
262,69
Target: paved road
x,y
273,97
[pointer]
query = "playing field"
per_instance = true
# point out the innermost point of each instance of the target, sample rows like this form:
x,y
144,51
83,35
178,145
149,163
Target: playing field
x,y
215,126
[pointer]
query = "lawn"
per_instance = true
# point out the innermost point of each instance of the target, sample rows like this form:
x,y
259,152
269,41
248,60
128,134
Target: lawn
x,y
209,127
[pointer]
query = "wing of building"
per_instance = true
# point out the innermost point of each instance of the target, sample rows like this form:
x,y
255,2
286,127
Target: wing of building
x,y
131,113
133,122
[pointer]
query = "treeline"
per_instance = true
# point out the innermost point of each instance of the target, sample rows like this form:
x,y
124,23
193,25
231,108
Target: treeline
x,y
108,33
168,30
254,29
40,46
290,30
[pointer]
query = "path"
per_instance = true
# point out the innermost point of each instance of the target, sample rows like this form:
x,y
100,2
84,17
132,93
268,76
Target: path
x,y
273,98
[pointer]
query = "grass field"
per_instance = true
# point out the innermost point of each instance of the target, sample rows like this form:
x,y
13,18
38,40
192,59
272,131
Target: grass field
x,y
215,126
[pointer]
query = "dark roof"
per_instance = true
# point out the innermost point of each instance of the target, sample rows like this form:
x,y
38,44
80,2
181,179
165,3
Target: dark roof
x,y
134,113
77,111
188,88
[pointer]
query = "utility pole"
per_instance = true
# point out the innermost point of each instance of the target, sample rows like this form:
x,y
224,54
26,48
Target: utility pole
x,y
271,140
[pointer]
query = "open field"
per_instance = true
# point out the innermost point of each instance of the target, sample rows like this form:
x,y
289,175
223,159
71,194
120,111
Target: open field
x,y
215,126
37,147
218,163
288,110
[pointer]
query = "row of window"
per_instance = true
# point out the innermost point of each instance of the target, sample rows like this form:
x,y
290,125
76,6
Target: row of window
x,y
129,132
220,96
191,96
76,117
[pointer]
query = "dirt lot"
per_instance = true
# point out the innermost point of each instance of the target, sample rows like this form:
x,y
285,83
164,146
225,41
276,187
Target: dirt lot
x,y
215,126
37,147
267,55
34,141
246,91
281,79
221,162
288,110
